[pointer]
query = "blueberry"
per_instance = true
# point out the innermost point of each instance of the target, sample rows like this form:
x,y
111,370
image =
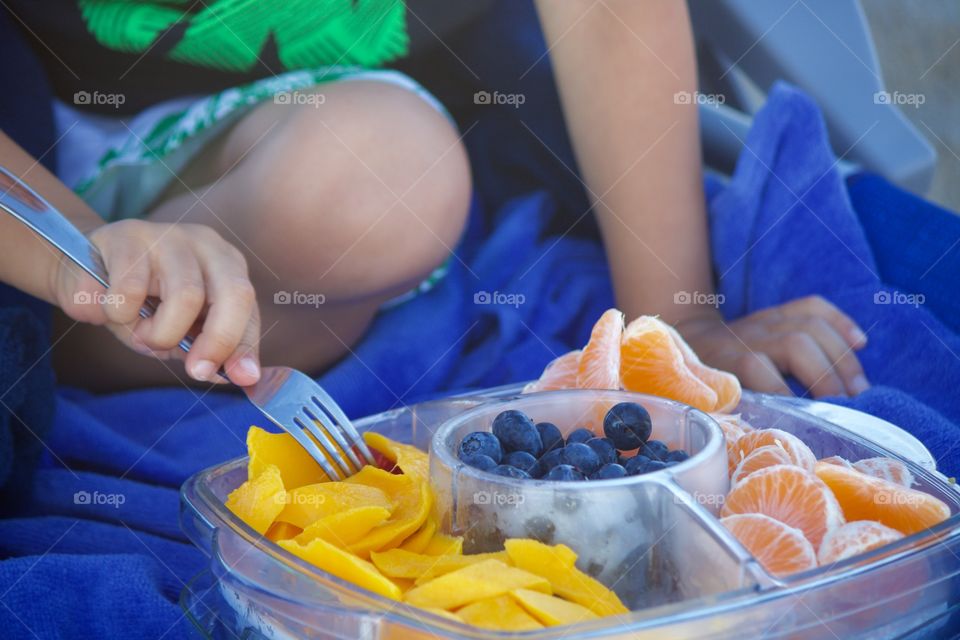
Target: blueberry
x,y
637,465
517,433
548,461
580,435
677,456
550,436
520,459
604,449
655,465
628,425
510,472
655,450
582,457
478,461
482,442
564,472
608,472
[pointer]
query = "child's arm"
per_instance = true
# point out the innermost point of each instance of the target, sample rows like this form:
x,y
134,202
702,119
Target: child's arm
x,y
619,64
197,275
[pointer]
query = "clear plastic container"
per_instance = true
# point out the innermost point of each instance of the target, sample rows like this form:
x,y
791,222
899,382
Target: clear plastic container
x,y
684,575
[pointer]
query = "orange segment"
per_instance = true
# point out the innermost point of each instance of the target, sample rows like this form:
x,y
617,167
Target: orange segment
x,y
791,495
561,373
780,548
732,428
843,462
599,366
726,385
886,469
800,454
760,458
855,538
864,497
651,362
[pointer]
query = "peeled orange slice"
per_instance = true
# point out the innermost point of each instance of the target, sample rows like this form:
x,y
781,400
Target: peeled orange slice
x,y
799,453
843,462
780,548
599,366
855,538
791,495
886,469
864,497
760,458
726,385
561,373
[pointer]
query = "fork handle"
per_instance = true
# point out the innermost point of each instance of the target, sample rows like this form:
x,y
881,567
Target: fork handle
x,y
26,205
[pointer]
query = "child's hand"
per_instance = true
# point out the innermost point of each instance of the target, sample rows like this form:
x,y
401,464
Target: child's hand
x,y
808,338
201,282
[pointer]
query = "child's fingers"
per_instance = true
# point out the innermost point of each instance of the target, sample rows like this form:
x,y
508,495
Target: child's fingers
x,y
822,308
243,365
129,268
839,352
182,296
758,372
806,360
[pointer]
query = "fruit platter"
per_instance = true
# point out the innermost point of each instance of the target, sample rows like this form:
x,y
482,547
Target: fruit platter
x,y
595,502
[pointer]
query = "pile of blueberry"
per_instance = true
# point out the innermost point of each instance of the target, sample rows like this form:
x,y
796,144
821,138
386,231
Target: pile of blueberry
x,y
519,448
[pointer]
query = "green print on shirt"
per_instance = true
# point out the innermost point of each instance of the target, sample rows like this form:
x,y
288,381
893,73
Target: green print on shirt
x,y
230,34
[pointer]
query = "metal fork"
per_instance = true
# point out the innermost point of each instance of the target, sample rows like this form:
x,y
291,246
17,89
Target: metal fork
x,y
289,398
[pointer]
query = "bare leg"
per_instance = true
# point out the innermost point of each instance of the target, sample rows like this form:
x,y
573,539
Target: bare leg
x,y
351,202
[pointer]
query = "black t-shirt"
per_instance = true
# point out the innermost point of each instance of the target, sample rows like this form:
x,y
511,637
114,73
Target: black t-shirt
x,y
152,50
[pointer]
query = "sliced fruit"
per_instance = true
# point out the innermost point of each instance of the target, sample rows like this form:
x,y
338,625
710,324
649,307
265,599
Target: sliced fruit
x,y
259,501
419,540
556,564
305,505
297,467
780,548
345,527
400,563
886,469
343,564
791,495
442,544
652,362
561,373
732,428
550,610
760,458
843,462
500,614
864,497
411,460
487,579
800,454
726,385
282,531
853,539
411,511
599,366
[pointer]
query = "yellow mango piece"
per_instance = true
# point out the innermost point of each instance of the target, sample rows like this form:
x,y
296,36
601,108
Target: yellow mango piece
x,y
297,467
411,460
443,545
259,501
411,511
343,564
499,614
346,527
400,563
444,614
282,531
550,610
305,505
389,483
487,579
419,540
556,564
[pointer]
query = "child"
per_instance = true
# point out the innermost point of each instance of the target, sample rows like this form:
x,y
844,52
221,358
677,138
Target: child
x,y
351,187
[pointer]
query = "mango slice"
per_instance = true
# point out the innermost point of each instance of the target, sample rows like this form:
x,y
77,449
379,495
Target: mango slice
x,y
556,565
343,564
487,579
346,527
550,610
305,505
282,531
411,511
419,540
400,563
259,501
443,545
500,614
412,461
296,466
